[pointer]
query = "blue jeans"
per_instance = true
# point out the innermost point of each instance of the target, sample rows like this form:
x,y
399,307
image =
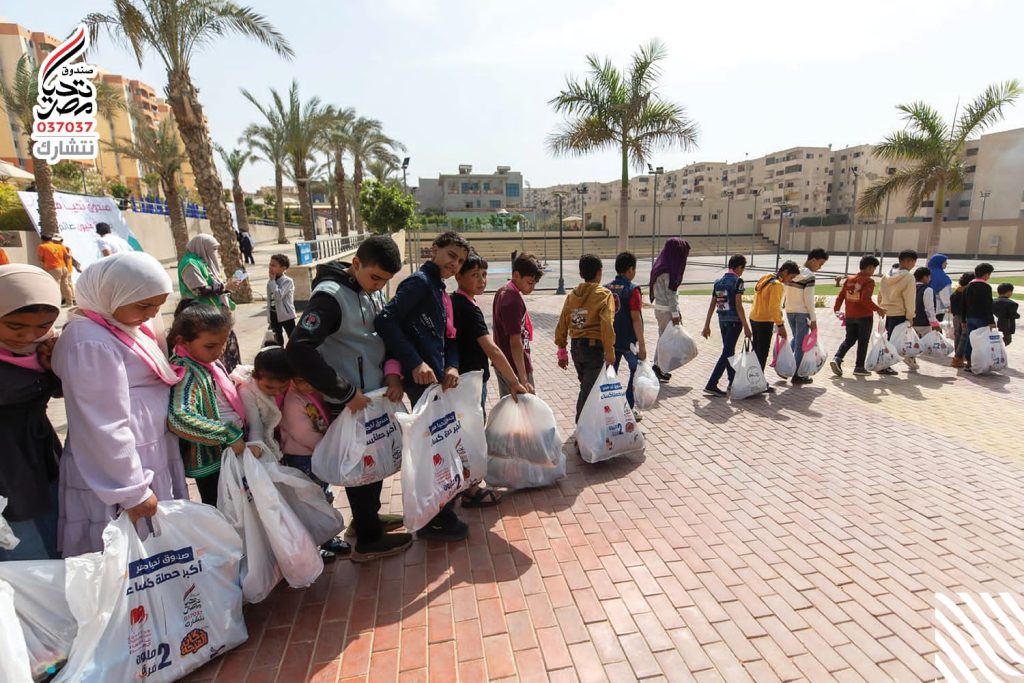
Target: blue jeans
x,y
37,536
799,325
631,363
731,331
972,325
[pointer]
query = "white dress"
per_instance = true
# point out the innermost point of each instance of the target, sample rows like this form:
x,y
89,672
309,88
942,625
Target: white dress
x,y
118,447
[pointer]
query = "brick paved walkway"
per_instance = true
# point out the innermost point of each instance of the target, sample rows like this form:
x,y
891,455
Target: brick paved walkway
x,y
799,536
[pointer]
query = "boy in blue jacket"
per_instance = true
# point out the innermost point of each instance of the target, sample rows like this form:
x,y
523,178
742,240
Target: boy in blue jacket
x,y
417,329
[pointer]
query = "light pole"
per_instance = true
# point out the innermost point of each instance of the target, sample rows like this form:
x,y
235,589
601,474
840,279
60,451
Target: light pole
x,y
783,208
885,227
561,261
753,227
853,222
545,203
654,204
582,191
981,224
728,209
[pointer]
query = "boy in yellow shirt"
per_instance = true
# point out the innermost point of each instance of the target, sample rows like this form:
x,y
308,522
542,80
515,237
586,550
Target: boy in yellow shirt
x,y
766,314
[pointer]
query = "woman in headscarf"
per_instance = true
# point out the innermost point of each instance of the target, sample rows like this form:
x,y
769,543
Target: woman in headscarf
x,y
119,454
29,306
940,283
666,276
200,278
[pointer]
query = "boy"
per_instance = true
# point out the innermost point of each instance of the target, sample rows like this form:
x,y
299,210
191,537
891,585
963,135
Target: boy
x,y
475,348
56,260
956,307
415,328
925,319
800,306
280,298
513,330
978,311
335,348
727,299
628,321
1005,310
586,320
860,309
897,295
108,243
766,313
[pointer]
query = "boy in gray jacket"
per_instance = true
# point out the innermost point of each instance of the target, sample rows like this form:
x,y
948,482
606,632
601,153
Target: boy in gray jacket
x,y
280,298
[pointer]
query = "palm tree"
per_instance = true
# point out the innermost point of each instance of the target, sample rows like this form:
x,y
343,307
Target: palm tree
x,y
19,98
933,152
382,168
158,151
613,109
235,161
176,30
335,143
267,142
305,125
109,101
366,141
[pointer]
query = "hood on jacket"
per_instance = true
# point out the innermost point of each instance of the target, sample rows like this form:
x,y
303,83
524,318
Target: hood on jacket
x,y
765,279
583,289
331,272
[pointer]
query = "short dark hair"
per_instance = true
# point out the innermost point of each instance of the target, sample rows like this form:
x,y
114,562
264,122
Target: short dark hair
x,y
907,254
527,265
272,363
450,238
192,318
102,228
921,273
868,262
965,279
789,267
817,254
45,238
473,261
282,260
380,251
590,267
1005,288
36,308
983,269
624,262
737,261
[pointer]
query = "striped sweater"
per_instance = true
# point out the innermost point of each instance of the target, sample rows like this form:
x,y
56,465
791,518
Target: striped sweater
x,y
800,293
193,416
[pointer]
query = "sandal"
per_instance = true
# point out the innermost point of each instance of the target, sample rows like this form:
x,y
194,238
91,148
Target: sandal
x,y
327,555
483,498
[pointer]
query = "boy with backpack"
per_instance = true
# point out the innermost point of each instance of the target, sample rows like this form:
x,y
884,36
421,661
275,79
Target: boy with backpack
x,y
727,299
628,321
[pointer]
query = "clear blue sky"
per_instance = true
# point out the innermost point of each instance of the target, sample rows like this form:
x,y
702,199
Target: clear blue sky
x,y
463,81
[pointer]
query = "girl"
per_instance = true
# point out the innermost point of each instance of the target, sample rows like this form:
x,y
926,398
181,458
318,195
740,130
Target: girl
x,y
205,411
29,306
119,454
940,283
261,387
956,308
200,278
666,276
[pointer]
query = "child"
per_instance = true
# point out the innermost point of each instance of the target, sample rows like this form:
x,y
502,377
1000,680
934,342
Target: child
x,y
260,388
897,294
56,260
940,284
1005,310
414,326
800,306
29,306
925,319
280,298
475,348
513,330
205,409
727,299
766,313
628,321
337,351
859,317
666,276
978,310
956,307
587,319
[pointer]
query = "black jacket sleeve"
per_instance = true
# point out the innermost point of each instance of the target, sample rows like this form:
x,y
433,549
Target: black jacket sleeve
x,y
321,319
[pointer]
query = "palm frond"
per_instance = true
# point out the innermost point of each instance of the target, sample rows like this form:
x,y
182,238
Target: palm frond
x,y
925,119
986,110
904,145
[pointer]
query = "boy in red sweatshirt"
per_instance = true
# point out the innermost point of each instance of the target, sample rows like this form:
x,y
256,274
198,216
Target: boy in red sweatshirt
x,y
860,310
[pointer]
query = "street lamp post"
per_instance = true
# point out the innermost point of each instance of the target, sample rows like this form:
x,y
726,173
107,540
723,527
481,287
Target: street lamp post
x,y
981,224
753,227
654,205
582,191
783,208
728,210
561,260
853,222
545,203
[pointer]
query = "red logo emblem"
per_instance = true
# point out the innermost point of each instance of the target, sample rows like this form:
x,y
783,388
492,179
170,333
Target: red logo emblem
x,y
437,459
368,461
137,615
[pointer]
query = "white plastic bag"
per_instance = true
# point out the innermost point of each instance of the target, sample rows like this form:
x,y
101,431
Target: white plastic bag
x,y
905,340
307,501
749,378
814,357
14,662
524,448
947,326
443,448
783,359
45,619
8,541
362,448
988,353
160,607
882,354
675,349
607,427
645,386
936,345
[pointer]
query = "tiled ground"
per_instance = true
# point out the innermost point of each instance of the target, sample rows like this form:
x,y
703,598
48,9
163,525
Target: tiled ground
x,y
799,536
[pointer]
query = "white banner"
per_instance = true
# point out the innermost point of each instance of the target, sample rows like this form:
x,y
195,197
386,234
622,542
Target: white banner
x,y
77,216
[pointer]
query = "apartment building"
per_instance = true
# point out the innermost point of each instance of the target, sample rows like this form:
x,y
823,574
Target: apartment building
x,y
15,41
467,191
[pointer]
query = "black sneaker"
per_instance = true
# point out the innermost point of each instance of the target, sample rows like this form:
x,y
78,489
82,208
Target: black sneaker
x,y
837,367
450,530
337,546
387,523
714,391
888,371
663,377
797,379
385,546
770,390
860,371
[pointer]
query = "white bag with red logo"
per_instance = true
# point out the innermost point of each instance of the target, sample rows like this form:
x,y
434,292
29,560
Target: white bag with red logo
x,y
443,448
361,448
607,427
159,607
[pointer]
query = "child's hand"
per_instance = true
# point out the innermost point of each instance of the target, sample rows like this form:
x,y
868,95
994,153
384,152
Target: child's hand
x,y
451,379
238,447
517,388
146,508
706,332
563,363
676,319
746,332
44,352
424,375
357,402
256,451
642,353
395,389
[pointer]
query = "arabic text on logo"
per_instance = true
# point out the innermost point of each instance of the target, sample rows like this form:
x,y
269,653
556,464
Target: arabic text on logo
x,y
64,117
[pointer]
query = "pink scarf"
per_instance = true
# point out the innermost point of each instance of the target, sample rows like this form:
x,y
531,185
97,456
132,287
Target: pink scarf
x,y
449,323
29,362
469,296
138,349
224,383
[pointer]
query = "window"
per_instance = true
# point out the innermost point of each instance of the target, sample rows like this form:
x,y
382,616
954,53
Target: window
x,y
968,186
714,216
842,158
927,203
680,218
970,169
487,187
806,197
512,189
495,203
972,152
778,173
857,154
795,168
643,218
469,205
965,202
808,156
696,218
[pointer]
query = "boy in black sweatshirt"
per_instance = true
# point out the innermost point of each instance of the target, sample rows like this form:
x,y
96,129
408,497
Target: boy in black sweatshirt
x,y
1005,310
977,306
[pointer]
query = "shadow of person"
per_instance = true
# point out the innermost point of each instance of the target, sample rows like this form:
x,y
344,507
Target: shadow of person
x,y
993,381
713,410
797,400
668,391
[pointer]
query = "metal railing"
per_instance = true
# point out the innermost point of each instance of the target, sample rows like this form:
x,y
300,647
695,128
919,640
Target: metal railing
x,y
326,249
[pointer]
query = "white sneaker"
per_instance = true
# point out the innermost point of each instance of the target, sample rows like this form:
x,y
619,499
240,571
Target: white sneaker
x,y
637,415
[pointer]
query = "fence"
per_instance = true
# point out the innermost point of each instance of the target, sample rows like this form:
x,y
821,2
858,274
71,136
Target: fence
x,y
326,249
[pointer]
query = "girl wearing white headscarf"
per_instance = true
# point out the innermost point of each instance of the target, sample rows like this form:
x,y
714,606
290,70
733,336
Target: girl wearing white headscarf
x,y
200,278
119,454
29,306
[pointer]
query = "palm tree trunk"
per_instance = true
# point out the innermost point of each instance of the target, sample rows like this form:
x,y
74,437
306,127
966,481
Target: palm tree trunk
x,y
44,193
304,208
339,179
624,203
179,229
282,238
188,113
935,233
334,210
239,199
357,186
